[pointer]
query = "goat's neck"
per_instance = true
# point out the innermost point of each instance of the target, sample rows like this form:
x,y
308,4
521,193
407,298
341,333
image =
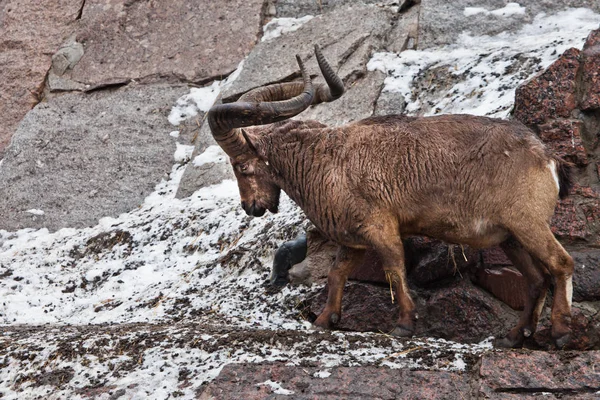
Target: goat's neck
x,y
294,160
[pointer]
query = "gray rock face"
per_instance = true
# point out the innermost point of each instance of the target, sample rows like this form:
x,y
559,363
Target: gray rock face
x,y
300,8
357,103
198,176
347,35
127,40
30,31
82,157
441,21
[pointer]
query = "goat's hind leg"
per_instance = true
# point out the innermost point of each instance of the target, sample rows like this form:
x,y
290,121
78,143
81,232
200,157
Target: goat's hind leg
x,y
542,245
347,259
538,281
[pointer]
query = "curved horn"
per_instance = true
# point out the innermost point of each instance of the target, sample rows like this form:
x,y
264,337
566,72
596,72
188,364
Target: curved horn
x,y
335,87
279,91
223,119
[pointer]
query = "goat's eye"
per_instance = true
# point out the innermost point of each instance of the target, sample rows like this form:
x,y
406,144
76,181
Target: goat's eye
x,y
243,167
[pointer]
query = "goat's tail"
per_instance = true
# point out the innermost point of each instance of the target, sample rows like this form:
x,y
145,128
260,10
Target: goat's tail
x,y
564,170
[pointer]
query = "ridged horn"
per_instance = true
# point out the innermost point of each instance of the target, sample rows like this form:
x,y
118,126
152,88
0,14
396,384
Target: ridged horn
x,y
335,87
223,119
333,90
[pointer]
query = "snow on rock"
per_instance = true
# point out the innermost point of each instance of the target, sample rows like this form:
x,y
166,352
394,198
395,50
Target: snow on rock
x,y
200,99
279,26
165,359
213,154
479,75
508,10
276,387
35,211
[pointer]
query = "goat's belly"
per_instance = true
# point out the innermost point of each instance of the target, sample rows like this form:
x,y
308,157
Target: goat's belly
x,y
477,234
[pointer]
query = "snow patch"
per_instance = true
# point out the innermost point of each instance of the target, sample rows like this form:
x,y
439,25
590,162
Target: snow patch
x,y
276,387
35,211
200,99
183,152
322,374
212,154
506,11
279,26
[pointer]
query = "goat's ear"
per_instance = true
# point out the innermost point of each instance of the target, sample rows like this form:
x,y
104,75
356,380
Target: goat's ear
x,y
250,141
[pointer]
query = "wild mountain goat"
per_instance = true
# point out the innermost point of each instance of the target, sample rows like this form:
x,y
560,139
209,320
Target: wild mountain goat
x,y
460,178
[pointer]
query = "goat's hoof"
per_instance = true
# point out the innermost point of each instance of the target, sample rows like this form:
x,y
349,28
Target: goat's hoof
x,y
326,322
401,332
334,318
562,341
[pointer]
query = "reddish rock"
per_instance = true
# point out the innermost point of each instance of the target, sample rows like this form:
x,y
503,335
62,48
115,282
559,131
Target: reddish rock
x,y
564,138
464,313
551,94
30,32
427,261
529,373
566,223
460,312
365,308
506,284
494,257
126,40
590,73
371,269
585,327
248,381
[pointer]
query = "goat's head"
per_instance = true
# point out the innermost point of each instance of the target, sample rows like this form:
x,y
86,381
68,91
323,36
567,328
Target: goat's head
x,y
265,105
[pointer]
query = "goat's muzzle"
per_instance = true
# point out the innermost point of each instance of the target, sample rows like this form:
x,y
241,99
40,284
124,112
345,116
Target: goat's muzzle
x,y
253,209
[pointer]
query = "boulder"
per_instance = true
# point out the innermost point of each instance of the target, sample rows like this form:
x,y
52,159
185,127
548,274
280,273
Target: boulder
x,y
506,284
430,261
464,313
585,330
278,380
494,257
460,311
30,32
586,279
135,40
516,374
81,157
551,94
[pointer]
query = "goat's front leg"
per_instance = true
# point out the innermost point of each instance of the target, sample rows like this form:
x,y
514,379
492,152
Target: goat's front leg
x,y
347,259
388,244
